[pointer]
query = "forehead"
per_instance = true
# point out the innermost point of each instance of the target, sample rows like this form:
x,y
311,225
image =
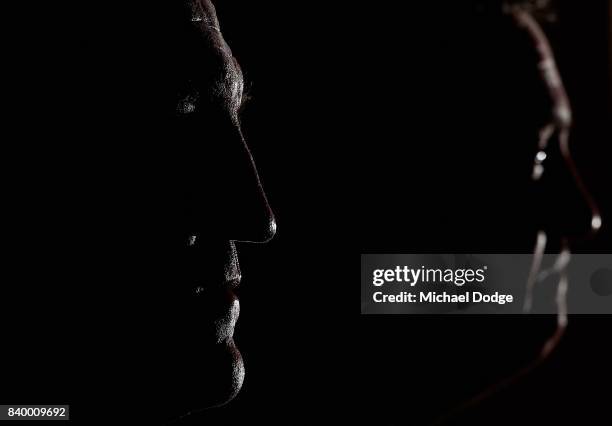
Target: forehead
x,y
204,30
196,30
203,11
175,52
199,54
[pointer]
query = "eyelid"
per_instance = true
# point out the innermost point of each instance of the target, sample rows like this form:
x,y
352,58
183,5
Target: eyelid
x,y
244,100
187,104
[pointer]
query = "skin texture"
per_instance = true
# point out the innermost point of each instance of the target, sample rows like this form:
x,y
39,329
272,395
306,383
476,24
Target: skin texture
x,y
212,94
202,197
127,153
125,231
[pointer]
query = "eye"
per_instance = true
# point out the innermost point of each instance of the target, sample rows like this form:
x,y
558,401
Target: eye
x,y
187,104
245,98
243,104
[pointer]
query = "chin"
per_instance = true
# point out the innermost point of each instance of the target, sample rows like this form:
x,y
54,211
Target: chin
x,y
229,374
213,380
202,381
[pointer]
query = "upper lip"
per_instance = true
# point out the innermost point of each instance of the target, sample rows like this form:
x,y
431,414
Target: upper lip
x,y
233,282
221,271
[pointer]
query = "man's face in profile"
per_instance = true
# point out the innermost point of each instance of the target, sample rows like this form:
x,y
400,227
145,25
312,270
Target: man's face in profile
x,y
133,218
146,201
222,203
131,190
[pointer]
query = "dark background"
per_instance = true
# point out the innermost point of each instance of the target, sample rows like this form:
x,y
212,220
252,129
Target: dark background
x,y
355,109
341,97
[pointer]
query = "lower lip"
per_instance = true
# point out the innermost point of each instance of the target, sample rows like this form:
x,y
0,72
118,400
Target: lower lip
x,y
220,309
225,325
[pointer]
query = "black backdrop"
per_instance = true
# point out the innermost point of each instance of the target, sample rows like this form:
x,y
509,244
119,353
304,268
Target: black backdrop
x,y
333,90
354,107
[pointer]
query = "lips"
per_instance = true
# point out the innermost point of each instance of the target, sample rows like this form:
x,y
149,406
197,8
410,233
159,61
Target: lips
x,y
220,309
214,273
